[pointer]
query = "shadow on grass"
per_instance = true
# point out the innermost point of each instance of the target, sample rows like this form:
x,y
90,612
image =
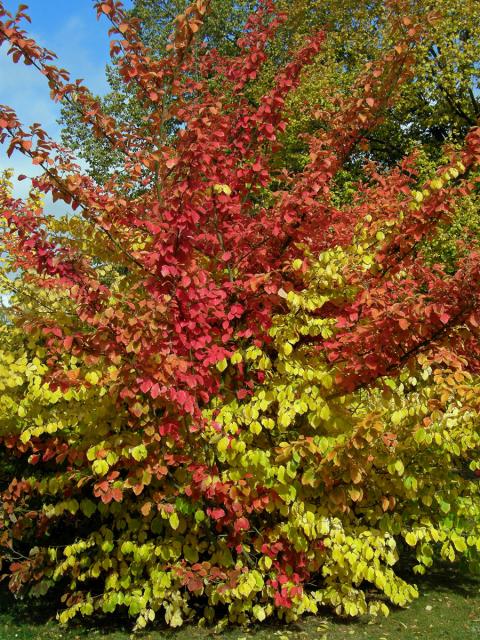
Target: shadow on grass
x,y
41,613
449,579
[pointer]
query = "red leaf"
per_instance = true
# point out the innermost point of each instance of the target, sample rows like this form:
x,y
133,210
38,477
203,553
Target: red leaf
x,y
155,391
216,514
117,494
241,524
145,386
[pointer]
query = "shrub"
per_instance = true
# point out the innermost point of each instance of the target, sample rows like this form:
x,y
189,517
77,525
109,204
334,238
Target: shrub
x,y
226,393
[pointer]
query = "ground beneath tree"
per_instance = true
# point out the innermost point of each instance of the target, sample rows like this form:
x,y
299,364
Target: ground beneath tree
x,y
448,609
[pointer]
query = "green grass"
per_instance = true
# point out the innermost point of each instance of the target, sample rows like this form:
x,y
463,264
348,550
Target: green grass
x,y
448,609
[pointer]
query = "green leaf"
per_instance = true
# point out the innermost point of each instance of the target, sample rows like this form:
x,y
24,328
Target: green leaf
x,y
420,435
88,507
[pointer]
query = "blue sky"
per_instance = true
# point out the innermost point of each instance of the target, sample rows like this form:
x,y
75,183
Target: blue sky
x,y
69,28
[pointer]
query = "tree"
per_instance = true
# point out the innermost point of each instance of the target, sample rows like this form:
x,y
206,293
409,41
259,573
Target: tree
x,y
225,388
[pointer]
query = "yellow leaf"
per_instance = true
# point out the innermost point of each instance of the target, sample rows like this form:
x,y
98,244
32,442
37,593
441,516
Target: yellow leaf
x,y
236,358
297,264
139,453
287,348
222,365
411,539
174,521
100,467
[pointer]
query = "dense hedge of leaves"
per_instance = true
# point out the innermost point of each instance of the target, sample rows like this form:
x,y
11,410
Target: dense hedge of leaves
x,y
226,393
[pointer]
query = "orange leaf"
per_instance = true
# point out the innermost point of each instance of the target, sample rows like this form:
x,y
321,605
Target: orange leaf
x,y
146,508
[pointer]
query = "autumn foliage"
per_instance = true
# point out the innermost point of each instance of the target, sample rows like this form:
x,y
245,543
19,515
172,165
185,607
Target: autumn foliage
x,y
223,392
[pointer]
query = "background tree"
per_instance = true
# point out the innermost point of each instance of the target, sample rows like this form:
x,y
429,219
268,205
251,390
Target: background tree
x,y
438,105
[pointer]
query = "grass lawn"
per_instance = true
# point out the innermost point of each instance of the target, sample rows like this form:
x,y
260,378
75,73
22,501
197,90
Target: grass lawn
x,y
448,609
